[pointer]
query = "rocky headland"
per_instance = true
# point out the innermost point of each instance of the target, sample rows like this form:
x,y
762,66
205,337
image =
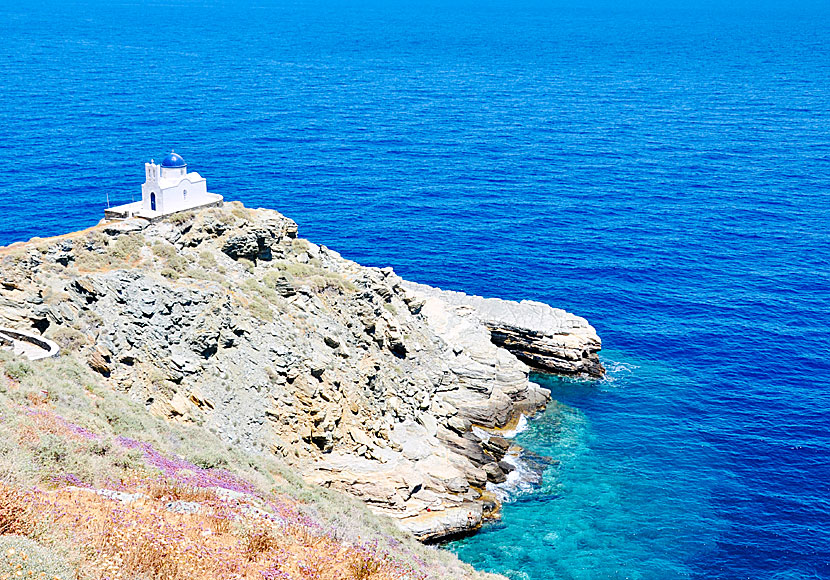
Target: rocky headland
x,y
365,383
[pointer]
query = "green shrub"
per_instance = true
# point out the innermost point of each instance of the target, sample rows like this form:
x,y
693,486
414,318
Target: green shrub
x,y
171,258
181,217
18,370
126,247
131,459
164,250
299,245
16,465
209,459
241,212
125,417
330,280
260,309
22,557
69,339
207,260
274,279
248,264
100,252
92,318
87,261
198,274
311,273
51,450
99,447
96,240
250,285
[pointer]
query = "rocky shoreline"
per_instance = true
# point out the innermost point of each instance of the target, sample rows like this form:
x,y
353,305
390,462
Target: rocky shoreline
x,y
549,340
362,381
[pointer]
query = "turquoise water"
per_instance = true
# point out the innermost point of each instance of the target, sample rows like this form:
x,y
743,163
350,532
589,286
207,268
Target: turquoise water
x,y
622,479
661,168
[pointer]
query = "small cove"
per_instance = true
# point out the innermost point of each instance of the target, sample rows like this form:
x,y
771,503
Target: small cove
x,y
621,497
659,168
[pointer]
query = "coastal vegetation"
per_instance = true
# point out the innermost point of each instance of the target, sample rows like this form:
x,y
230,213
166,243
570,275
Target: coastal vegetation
x,y
93,487
232,401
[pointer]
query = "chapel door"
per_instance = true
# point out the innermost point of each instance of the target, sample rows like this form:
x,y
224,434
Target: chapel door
x,y
153,201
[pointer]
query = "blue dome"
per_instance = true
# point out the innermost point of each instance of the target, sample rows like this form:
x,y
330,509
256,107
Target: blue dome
x,y
173,160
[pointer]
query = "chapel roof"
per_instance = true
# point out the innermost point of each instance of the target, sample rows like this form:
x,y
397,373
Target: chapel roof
x,y
173,160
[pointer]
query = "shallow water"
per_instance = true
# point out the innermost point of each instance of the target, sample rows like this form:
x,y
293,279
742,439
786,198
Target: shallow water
x,y
626,494
659,168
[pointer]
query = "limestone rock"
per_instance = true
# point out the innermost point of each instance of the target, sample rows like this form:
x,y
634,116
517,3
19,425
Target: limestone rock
x,y
549,339
364,382
494,472
99,360
435,525
242,245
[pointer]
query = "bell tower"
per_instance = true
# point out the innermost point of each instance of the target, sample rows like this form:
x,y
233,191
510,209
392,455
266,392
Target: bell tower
x,y
150,190
151,171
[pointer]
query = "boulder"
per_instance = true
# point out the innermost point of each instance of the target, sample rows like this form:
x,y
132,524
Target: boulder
x,y
242,245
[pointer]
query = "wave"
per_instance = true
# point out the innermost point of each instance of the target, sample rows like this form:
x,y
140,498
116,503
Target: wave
x,y
521,426
525,477
616,370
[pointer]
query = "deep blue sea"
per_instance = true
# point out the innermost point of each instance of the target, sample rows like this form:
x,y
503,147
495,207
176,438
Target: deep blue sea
x,y
659,167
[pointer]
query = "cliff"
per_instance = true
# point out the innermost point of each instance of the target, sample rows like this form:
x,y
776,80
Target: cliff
x,y
549,340
365,383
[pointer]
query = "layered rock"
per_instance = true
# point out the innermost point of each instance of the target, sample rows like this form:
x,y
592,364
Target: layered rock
x,y
225,318
548,339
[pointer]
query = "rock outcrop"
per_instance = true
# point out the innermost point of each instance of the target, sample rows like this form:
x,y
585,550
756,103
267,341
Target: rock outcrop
x,y
364,382
548,339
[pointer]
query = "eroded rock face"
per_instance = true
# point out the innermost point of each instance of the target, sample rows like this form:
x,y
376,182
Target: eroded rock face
x,y
365,383
548,339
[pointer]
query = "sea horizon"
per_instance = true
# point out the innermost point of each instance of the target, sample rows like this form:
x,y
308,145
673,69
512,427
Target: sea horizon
x,y
661,169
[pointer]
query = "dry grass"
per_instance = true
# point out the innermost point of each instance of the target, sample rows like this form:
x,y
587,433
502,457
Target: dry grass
x,y
259,540
63,436
143,539
364,566
16,512
163,489
229,528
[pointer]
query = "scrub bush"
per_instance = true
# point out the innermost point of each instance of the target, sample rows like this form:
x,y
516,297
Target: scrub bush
x,y
24,558
69,339
126,247
18,370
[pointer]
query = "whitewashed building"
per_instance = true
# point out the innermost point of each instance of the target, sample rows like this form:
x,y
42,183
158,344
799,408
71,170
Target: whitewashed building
x,y
168,188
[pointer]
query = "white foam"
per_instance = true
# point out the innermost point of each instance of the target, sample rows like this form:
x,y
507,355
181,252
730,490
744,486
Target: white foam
x,y
614,370
520,427
481,433
521,480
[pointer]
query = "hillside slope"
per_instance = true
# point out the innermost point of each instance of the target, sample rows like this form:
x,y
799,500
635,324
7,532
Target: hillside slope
x,y
227,321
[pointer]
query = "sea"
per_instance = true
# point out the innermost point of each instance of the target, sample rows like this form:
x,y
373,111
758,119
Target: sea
x,y
660,167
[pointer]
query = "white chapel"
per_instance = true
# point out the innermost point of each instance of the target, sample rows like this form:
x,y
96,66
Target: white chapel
x,y
168,188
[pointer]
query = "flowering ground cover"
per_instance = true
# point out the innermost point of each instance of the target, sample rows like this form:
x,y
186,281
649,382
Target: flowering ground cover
x,y
144,538
94,488
185,522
